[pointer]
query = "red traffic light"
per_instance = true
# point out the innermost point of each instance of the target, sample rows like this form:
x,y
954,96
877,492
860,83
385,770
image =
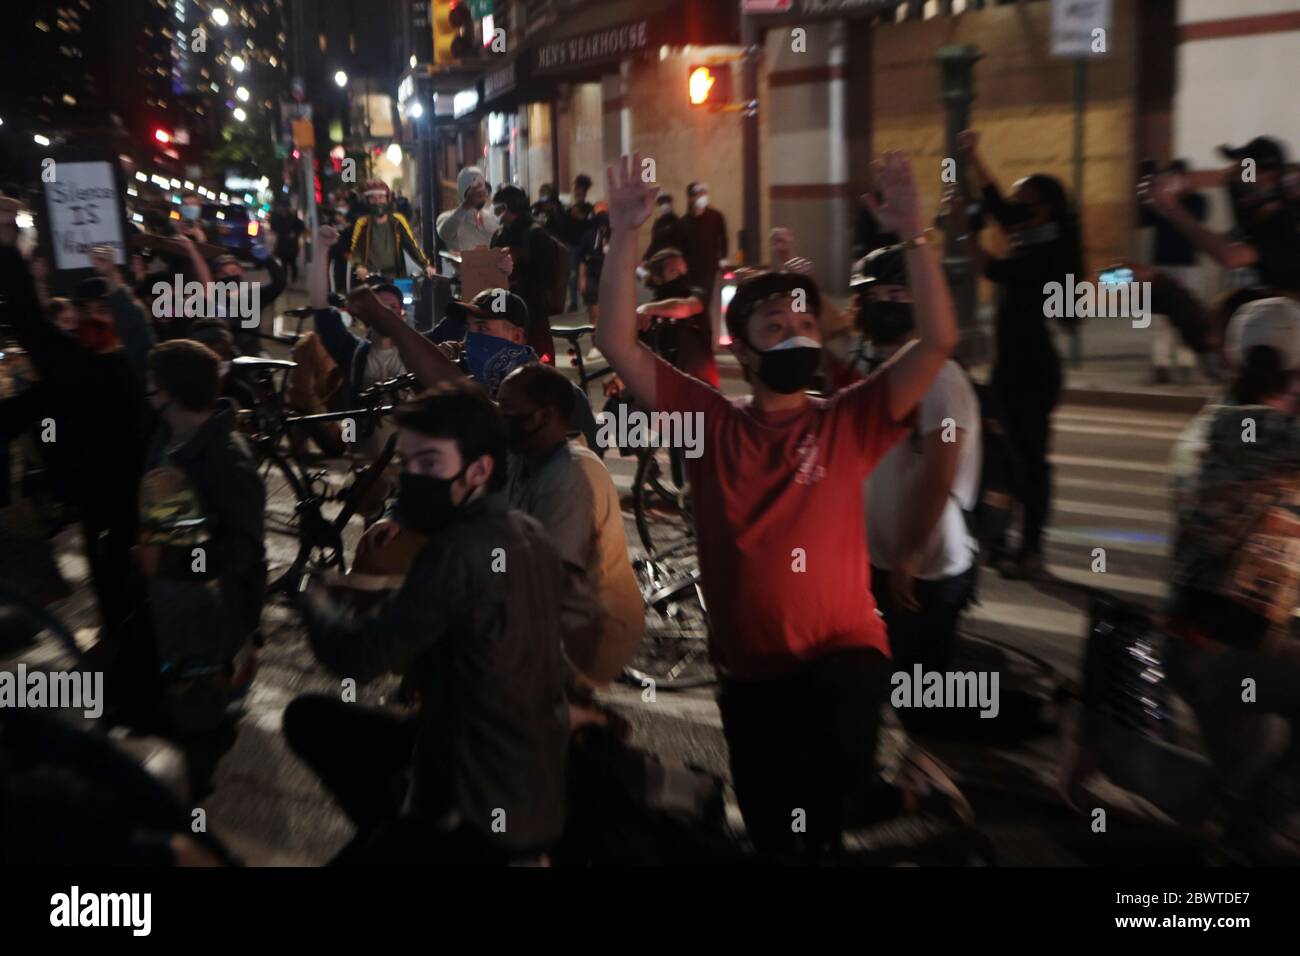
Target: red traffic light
x,y
162,136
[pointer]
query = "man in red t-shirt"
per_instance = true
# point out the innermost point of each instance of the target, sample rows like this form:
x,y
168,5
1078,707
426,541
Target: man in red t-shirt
x,y
801,653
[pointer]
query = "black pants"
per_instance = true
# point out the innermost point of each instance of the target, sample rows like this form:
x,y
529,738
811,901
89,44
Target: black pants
x,y
108,523
1027,416
926,636
807,742
361,756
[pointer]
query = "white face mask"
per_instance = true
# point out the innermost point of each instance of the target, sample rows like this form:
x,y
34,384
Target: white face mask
x,y
701,201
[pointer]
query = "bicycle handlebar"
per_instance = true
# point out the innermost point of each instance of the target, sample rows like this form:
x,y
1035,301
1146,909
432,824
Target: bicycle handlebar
x,y
374,410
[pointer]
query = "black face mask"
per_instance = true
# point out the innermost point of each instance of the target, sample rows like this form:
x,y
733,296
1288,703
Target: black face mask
x,y
886,322
424,501
379,209
787,369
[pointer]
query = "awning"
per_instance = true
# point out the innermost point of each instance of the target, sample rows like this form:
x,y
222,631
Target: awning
x,y
597,37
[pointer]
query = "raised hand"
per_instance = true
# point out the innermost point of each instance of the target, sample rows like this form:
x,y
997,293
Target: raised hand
x,y
631,201
900,210
101,257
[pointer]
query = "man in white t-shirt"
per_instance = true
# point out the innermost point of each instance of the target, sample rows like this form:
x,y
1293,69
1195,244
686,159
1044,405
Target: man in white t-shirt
x,y
923,558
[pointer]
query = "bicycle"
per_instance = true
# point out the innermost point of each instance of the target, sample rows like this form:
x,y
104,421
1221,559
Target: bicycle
x,y
674,654
303,513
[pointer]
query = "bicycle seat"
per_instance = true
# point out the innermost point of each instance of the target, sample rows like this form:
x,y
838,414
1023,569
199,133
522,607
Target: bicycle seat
x,y
572,332
254,363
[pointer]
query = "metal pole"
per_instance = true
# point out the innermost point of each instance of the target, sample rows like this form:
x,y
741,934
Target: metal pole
x,y
957,64
750,34
1080,96
309,187
429,185
555,149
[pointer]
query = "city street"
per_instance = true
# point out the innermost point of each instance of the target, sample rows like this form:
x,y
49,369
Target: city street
x,y
1111,476
660,434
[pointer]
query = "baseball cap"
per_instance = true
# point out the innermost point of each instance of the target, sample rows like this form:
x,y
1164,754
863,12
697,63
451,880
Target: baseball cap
x,y
1264,150
514,310
1273,322
467,179
883,266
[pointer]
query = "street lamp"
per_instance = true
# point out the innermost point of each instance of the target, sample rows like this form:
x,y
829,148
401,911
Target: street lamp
x,y
242,94
237,64
41,140
416,110
341,78
395,154
240,114
220,17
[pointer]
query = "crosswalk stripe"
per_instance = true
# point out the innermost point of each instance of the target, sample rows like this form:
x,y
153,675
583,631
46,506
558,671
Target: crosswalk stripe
x,y
1119,464
1153,490
1091,539
1107,416
1060,623
1128,584
1149,515
1124,430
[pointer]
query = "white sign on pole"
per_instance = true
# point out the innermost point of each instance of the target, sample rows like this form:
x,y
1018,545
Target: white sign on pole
x,y
1074,26
84,211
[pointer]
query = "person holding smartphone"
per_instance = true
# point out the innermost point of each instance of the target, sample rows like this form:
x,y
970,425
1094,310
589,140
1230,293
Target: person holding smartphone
x,y
1039,219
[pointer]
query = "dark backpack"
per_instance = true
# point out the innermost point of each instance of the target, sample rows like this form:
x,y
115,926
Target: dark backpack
x,y
1000,472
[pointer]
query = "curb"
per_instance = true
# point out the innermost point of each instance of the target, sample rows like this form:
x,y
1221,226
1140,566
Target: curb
x,y
1121,397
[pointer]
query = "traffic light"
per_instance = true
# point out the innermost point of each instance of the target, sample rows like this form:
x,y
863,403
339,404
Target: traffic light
x,y
709,85
453,32
162,136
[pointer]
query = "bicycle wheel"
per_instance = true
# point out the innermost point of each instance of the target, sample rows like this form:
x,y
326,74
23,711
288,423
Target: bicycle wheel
x,y
298,537
660,506
282,520
674,652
